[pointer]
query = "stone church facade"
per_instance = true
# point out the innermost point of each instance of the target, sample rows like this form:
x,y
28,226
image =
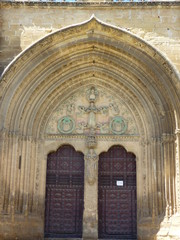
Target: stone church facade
x,y
90,121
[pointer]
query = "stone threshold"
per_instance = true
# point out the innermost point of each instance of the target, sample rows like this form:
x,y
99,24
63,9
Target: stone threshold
x,y
65,239
71,239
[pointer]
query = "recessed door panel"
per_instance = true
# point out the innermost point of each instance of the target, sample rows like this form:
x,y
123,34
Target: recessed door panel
x,y
64,193
117,194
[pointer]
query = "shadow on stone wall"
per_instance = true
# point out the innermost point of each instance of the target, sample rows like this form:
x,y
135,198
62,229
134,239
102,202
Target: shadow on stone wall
x,y
10,43
149,228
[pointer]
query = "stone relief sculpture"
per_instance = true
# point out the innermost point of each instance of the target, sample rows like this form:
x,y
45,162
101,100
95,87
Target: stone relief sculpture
x,y
91,141
92,108
70,109
118,125
66,125
113,107
91,159
104,127
92,112
92,94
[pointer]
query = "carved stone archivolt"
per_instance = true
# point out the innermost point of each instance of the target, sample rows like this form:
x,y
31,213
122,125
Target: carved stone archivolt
x,y
121,91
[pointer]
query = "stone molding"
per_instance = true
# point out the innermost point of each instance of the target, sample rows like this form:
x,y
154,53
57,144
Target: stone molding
x,y
104,116
82,3
103,61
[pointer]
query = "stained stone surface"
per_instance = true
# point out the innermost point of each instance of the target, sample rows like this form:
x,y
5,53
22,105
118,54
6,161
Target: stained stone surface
x,y
129,53
109,111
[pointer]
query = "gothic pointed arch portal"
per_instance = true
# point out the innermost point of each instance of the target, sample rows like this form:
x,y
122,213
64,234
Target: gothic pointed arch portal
x,y
92,86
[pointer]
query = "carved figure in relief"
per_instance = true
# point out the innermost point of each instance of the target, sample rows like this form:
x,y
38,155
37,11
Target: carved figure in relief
x,y
92,94
104,127
113,107
70,109
92,116
91,164
81,127
92,109
91,140
104,119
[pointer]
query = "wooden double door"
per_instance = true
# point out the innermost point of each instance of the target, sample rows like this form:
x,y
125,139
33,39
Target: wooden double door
x,y
116,194
64,193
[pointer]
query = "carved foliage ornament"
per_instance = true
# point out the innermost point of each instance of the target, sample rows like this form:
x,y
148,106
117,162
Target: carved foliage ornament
x,y
92,109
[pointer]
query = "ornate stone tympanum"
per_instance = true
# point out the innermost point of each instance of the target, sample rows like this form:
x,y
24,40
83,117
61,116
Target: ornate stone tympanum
x,y
92,110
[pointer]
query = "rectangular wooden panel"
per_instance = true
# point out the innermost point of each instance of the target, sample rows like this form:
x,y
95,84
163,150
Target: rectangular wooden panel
x,y
64,194
117,195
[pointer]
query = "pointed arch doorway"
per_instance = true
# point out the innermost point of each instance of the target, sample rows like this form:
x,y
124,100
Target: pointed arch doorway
x,y
64,193
117,194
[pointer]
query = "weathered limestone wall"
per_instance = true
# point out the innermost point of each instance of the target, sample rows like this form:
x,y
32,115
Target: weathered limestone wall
x,y
25,23
61,66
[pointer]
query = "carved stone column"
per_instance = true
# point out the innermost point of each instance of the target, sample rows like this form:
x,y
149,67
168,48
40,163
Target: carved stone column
x,y
169,169
3,137
90,217
178,169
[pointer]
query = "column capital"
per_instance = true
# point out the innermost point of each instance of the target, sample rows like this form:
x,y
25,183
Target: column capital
x,y
167,138
177,132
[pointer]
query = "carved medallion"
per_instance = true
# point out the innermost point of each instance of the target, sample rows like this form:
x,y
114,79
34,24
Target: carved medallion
x,y
66,125
118,125
94,109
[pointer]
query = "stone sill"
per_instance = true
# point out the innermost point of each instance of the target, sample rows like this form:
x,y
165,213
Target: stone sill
x,y
5,3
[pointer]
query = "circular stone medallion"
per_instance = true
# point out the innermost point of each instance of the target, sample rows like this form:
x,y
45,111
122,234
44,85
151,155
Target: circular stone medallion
x,y
118,125
66,125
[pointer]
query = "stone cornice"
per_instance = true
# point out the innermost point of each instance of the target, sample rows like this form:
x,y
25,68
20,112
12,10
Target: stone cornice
x,y
99,137
96,4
